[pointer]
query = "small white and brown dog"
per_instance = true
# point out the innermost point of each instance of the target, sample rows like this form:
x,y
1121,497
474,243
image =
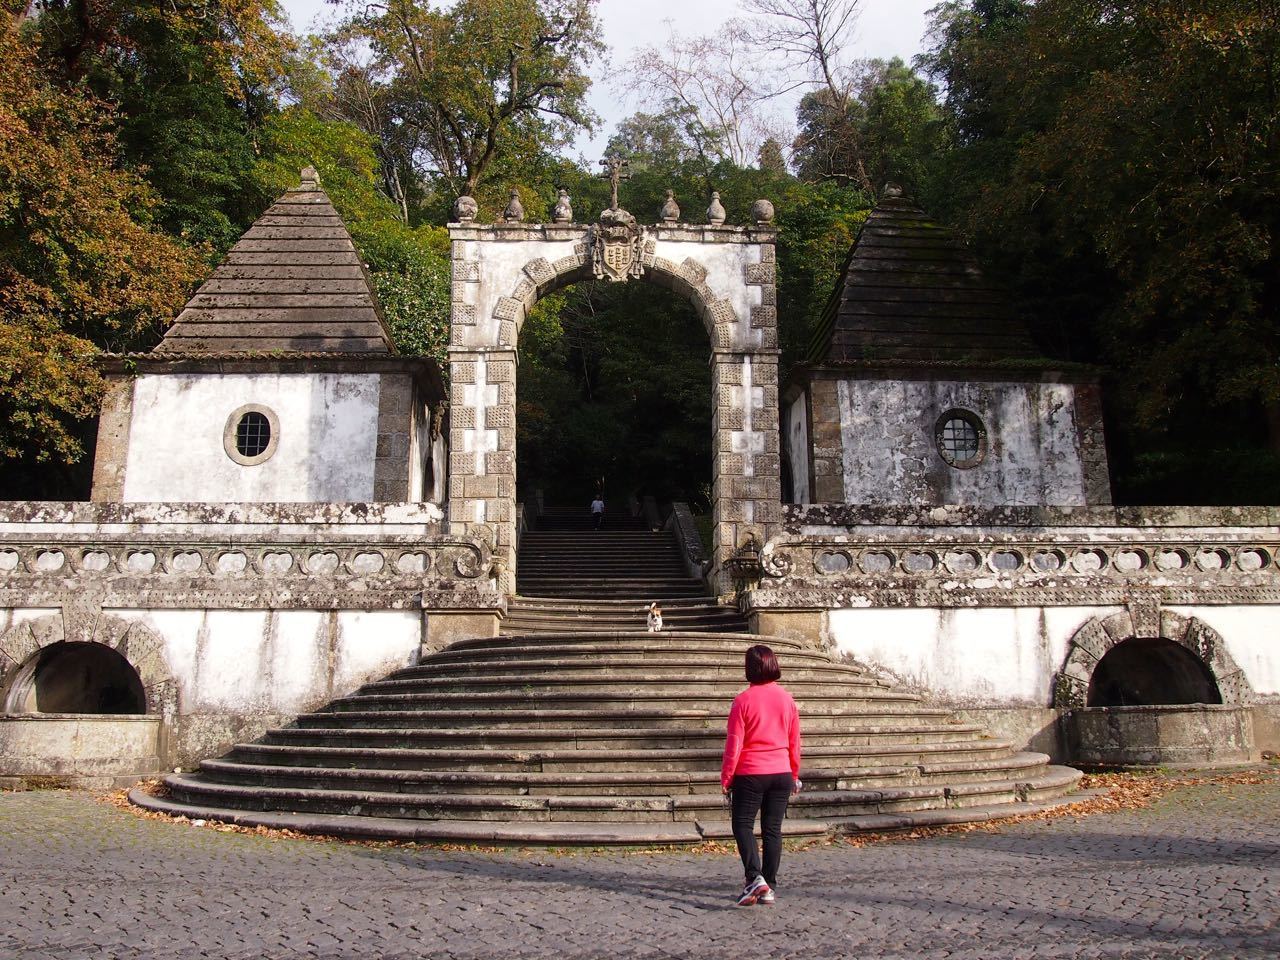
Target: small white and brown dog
x,y
655,618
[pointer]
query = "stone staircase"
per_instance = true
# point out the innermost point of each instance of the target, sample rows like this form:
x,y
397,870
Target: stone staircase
x,y
577,727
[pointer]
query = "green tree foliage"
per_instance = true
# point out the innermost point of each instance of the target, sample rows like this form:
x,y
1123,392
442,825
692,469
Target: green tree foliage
x,y
481,82
617,389
190,83
887,127
82,263
1120,161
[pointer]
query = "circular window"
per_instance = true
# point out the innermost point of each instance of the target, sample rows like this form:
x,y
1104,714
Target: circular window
x,y
251,434
961,438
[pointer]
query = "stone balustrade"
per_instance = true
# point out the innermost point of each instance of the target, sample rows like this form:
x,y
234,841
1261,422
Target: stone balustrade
x,y
194,565
964,557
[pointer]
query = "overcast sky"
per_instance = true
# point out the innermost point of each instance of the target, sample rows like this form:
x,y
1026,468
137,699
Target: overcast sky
x,y
886,28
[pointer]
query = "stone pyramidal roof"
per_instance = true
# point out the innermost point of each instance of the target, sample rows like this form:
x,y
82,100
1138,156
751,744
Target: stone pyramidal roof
x,y
293,283
911,291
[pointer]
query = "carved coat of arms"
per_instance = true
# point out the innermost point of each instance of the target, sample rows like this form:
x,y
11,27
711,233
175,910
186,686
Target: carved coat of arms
x,y
617,248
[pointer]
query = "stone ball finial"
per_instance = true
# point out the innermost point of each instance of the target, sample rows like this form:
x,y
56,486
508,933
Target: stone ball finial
x,y
310,177
465,209
762,211
715,212
515,209
563,212
892,190
670,212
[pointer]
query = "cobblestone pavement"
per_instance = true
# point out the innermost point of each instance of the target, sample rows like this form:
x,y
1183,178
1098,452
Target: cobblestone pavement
x,y
1196,875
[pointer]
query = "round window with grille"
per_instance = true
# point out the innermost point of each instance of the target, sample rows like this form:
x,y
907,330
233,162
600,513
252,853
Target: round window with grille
x,y
251,434
961,438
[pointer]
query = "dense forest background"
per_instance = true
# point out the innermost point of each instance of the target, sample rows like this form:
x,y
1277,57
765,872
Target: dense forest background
x,y
1115,163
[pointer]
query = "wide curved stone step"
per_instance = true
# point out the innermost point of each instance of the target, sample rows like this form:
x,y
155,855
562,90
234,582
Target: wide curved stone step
x,y
577,726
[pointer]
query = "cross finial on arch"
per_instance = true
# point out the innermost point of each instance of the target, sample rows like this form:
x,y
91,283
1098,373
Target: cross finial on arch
x,y
616,170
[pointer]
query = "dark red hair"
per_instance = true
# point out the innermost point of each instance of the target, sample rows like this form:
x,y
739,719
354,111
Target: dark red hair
x,y
762,665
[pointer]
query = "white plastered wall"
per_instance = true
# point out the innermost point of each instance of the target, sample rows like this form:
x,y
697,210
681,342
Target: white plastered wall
x,y
890,455
1005,656
244,662
327,438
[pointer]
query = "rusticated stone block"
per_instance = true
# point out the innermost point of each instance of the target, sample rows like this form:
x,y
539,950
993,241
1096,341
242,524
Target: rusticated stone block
x,y
1173,626
768,511
757,488
508,333
729,373
462,314
729,464
500,416
1092,639
462,463
768,253
466,271
759,273
462,418
502,371
509,308
1119,627
721,311
526,292
769,296
768,464
1145,617
540,271
460,335
480,487
730,418
763,317
693,271
502,462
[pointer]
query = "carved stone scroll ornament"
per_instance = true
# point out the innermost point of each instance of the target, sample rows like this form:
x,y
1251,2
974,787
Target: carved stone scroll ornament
x,y
617,247
775,563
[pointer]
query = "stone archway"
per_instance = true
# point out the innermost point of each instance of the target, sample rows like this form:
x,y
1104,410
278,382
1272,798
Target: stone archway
x,y
22,643
728,272
1096,638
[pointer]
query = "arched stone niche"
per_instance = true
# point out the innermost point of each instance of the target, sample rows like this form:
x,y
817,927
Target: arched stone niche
x,y
728,273
21,645
1098,636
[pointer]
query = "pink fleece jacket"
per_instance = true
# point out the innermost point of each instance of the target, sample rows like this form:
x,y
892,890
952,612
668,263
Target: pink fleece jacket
x,y
763,734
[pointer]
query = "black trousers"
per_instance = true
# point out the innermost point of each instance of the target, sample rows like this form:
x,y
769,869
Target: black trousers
x,y
765,794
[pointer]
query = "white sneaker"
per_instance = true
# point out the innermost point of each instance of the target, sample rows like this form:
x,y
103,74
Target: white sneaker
x,y
766,897
753,891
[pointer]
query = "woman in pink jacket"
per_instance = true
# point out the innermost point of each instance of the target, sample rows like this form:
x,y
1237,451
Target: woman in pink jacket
x,y
761,770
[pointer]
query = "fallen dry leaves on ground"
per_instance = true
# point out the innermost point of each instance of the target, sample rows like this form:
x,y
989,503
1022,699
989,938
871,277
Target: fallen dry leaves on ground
x,y
1119,791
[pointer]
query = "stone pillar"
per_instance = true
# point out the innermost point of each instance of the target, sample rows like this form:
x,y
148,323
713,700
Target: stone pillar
x,y
746,491
391,455
826,441
482,451
113,441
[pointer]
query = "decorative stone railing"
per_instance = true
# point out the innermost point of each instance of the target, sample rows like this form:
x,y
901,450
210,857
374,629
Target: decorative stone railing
x,y
254,557
1038,556
317,574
